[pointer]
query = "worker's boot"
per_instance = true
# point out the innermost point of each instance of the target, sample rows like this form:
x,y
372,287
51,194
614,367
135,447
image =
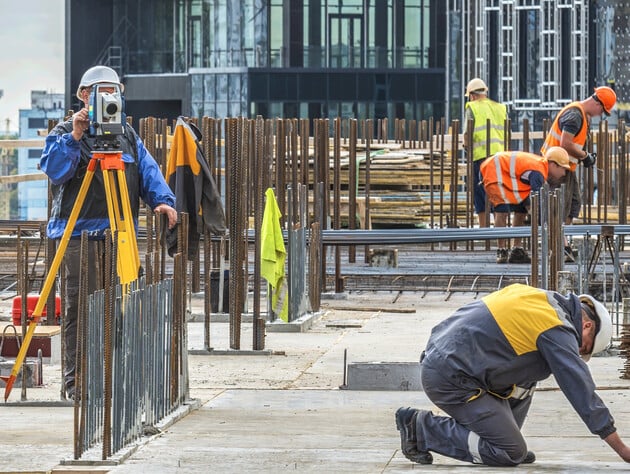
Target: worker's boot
x,y
518,255
406,424
502,255
530,457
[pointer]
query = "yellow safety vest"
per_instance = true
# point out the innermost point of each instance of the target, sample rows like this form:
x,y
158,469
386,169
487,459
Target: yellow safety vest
x,y
484,109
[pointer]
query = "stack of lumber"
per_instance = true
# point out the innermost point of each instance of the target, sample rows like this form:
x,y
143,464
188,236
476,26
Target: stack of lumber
x,y
401,183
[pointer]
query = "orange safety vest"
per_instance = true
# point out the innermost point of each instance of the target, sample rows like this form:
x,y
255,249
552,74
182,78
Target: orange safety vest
x,y
502,173
554,135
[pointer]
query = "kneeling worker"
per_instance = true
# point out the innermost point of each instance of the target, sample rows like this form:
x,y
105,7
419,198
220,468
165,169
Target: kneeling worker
x,y
509,177
481,366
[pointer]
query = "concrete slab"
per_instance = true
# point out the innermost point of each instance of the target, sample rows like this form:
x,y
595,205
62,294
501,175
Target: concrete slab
x,y
284,410
301,324
339,431
384,376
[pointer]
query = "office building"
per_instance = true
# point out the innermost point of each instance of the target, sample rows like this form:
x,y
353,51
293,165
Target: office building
x,y
33,195
350,58
271,58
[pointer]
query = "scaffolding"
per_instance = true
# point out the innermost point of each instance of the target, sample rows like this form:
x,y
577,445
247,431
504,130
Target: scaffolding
x,y
535,52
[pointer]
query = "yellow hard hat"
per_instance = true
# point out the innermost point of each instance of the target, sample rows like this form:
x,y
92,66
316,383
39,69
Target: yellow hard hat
x,y
476,85
559,156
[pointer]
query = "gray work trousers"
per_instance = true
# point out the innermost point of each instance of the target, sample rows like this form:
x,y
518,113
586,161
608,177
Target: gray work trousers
x,y
572,197
72,263
486,430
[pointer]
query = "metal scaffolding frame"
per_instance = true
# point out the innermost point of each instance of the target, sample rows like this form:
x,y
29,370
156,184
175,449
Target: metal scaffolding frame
x,y
546,30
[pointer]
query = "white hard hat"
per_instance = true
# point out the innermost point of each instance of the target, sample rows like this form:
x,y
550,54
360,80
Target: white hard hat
x,y
96,75
603,326
476,85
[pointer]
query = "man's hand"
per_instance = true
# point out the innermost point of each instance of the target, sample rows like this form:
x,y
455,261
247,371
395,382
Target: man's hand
x,y
589,160
615,442
80,123
171,214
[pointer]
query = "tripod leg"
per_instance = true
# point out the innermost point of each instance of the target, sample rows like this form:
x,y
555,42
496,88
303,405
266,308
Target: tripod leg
x,y
122,225
50,278
124,194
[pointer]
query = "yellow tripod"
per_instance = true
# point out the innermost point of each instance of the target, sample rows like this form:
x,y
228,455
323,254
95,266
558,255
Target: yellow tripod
x,y
121,224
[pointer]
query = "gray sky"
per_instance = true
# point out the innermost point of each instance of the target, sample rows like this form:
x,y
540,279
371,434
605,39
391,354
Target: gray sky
x,y
31,53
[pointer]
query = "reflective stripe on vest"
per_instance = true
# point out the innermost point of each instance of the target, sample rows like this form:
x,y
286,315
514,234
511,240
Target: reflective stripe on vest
x,y
511,177
484,110
502,173
555,134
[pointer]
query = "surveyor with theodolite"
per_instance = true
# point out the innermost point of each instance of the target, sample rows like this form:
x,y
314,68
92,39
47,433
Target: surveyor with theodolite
x,y
509,177
481,366
68,151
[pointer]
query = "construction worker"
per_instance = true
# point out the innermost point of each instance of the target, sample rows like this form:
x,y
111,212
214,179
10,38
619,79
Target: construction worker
x,y
480,109
65,158
508,178
570,130
481,366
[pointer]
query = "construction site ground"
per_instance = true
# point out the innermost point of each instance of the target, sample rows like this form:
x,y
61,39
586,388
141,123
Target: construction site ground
x,y
286,408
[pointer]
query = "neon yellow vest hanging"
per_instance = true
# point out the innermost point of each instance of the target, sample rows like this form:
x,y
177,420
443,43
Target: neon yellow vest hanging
x,y
484,109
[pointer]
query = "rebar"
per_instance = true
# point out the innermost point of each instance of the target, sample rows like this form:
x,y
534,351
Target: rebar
x,y
624,344
105,301
258,192
235,228
337,198
367,189
23,287
352,185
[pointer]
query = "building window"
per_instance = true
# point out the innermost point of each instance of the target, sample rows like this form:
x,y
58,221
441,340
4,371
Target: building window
x,y
36,123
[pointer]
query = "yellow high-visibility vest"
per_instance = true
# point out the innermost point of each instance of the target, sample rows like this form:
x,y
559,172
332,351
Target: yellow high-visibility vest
x,y
482,110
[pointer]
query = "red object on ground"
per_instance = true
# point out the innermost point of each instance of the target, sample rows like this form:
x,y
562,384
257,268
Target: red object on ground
x,y
31,302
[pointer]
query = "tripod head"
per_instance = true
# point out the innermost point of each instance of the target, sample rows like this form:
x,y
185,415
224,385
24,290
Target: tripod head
x,y
106,143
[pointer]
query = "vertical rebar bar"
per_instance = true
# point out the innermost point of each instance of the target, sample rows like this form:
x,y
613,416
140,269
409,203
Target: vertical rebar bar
x,y
352,184
535,219
337,199
367,190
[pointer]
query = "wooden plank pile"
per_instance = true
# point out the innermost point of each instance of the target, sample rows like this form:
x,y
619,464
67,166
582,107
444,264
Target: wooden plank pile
x,y
404,185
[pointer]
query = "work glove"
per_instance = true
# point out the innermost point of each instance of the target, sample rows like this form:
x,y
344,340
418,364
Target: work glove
x,y
589,160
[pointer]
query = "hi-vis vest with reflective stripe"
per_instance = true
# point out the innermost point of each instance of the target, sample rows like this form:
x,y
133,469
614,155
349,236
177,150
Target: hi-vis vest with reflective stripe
x,y
502,175
554,135
484,109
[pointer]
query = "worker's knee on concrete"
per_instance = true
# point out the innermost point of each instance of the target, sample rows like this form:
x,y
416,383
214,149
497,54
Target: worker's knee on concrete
x,y
519,455
511,455
516,454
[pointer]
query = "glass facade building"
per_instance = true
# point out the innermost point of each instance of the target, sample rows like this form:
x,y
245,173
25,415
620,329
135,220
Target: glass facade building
x,y
350,58
303,58
32,196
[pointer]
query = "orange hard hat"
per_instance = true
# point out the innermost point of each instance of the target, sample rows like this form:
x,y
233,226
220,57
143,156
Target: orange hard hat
x,y
605,96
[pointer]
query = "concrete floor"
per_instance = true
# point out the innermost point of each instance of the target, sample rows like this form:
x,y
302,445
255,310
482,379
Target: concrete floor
x,y
286,412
